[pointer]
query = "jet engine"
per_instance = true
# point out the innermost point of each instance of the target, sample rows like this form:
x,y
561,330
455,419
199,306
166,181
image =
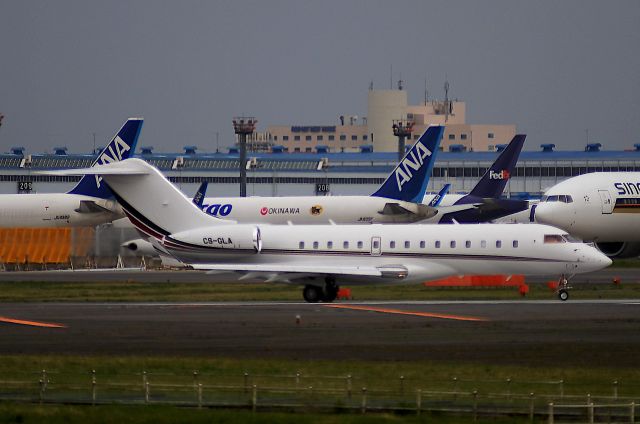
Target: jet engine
x,y
619,249
140,247
242,237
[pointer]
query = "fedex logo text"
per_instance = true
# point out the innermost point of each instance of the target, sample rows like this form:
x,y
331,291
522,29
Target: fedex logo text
x,y
502,175
413,162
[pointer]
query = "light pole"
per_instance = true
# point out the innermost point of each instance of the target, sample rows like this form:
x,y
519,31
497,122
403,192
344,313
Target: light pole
x,y
243,126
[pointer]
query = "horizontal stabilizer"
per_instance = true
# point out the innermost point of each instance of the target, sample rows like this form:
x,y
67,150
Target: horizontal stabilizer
x,y
417,210
89,206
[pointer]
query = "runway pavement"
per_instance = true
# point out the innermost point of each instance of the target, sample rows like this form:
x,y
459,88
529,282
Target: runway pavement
x,y
531,333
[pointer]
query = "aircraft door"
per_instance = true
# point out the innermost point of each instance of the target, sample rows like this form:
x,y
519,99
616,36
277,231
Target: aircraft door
x,y
376,246
607,204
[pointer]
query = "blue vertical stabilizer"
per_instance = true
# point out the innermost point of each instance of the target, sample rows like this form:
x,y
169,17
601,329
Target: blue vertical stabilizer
x,y
408,181
122,146
493,182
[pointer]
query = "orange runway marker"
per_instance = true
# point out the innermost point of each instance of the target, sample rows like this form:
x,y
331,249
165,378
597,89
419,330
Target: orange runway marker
x,y
31,323
401,312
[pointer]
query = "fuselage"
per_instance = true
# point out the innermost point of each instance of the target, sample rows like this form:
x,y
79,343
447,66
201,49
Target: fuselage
x,y
307,210
600,206
54,210
424,251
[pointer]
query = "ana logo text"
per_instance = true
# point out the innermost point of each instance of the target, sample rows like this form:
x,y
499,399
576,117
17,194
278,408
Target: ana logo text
x,y
627,188
502,175
113,153
217,209
413,161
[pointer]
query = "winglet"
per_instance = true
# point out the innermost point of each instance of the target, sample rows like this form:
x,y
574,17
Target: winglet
x,y
437,199
408,181
198,198
494,181
121,147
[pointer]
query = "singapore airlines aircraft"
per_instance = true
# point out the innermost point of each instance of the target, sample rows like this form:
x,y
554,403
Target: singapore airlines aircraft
x,y
89,203
322,256
603,207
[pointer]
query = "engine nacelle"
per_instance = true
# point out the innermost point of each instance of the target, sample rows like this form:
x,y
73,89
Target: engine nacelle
x,y
140,247
619,249
244,237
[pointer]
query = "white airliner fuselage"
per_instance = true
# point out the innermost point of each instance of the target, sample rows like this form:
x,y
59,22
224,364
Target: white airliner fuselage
x,y
600,206
55,210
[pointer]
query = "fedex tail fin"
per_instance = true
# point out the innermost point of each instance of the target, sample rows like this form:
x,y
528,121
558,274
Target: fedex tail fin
x,y
437,199
121,147
493,182
408,181
154,205
198,198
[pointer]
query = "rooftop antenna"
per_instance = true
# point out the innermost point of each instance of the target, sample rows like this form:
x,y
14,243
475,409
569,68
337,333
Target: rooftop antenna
x,y
94,143
446,100
391,77
426,92
217,143
371,86
400,83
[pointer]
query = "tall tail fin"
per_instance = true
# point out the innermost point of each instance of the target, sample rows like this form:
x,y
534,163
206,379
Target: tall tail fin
x,y
437,199
121,147
154,205
198,198
494,181
409,179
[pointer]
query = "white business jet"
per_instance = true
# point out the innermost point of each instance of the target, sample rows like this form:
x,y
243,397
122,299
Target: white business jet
x,y
603,207
89,203
322,256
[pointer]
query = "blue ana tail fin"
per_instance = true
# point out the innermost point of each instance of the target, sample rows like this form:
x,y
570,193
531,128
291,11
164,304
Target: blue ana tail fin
x,y
437,199
122,146
493,182
408,181
198,198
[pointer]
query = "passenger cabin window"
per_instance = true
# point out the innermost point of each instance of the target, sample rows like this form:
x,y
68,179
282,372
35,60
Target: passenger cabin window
x,y
345,245
498,244
467,244
301,245
315,244
452,244
553,239
329,245
437,244
515,243
422,244
483,244
407,244
360,245
392,244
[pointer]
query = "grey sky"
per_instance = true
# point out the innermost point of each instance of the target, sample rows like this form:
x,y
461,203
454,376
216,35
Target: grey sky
x,y
554,68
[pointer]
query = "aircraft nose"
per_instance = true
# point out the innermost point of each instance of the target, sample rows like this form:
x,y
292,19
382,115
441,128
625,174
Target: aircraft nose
x,y
596,259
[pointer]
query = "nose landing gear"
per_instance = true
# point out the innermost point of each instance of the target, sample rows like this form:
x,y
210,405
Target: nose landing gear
x,y
313,294
563,288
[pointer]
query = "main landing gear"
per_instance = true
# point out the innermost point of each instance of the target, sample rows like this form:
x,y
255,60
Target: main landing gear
x,y
563,288
315,294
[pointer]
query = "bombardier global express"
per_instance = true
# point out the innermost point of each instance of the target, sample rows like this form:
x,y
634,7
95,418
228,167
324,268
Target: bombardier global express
x,y
320,257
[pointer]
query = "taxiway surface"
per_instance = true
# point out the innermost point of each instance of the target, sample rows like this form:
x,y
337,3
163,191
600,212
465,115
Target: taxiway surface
x,y
509,332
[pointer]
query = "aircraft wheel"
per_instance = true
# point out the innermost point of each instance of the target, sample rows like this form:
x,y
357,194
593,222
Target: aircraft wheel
x,y
312,294
330,294
563,294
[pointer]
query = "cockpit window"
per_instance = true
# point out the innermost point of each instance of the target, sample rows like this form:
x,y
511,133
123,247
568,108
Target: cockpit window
x,y
571,239
553,238
564,198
